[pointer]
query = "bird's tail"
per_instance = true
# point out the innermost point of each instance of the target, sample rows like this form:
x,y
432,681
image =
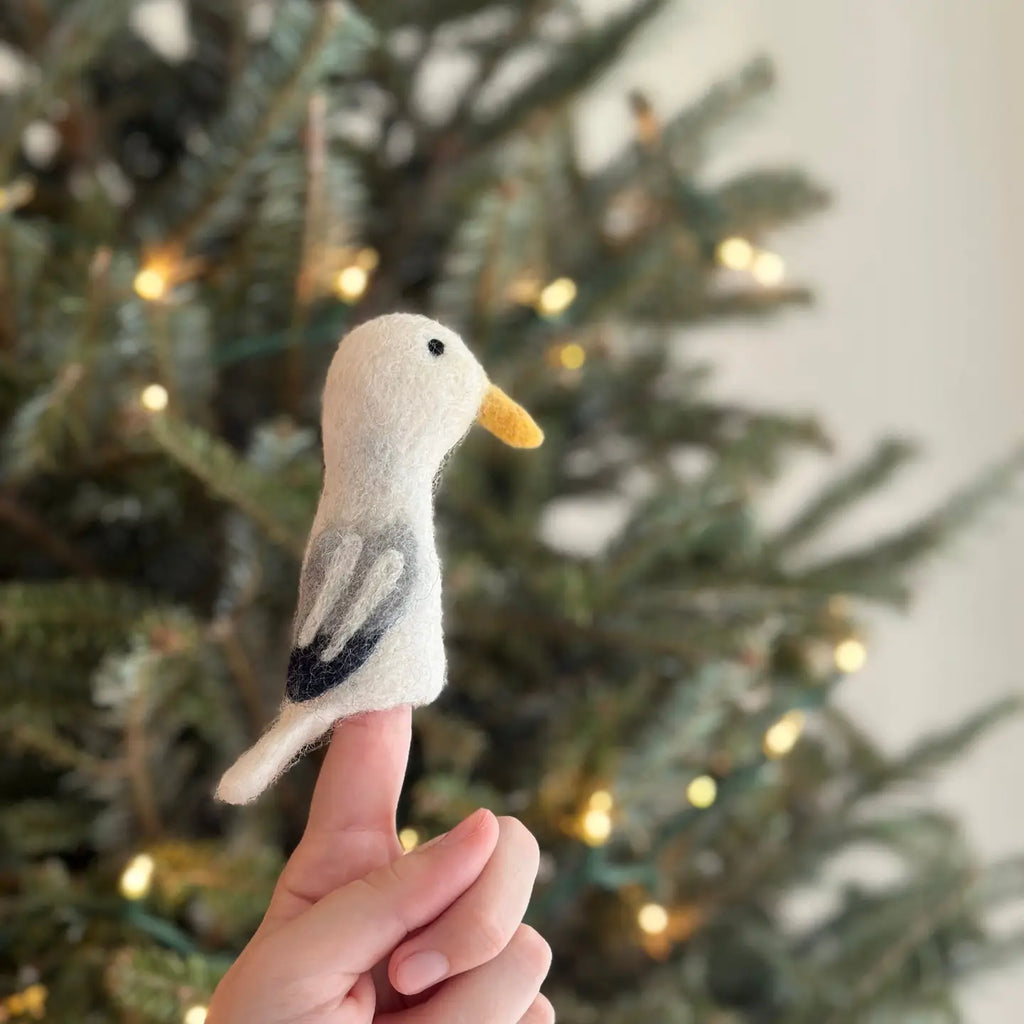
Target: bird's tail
x,y
295,727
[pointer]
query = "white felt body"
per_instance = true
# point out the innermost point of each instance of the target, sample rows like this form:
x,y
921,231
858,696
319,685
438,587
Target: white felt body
x,y
392,412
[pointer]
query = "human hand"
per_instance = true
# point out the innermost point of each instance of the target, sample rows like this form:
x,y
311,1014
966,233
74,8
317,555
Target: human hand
x,y
358,933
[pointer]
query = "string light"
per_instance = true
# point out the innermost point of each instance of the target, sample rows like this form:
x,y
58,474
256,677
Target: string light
x,y
195,1015
556,297
735,253
768,268
151,283
652,919
595,826
31,1000
409,838
350,284
137,876
702,791
154,397
524,290
850,655
782,736
601,800
367,258
572,356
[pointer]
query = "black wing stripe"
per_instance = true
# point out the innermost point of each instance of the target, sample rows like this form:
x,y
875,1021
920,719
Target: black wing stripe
x,y
309,677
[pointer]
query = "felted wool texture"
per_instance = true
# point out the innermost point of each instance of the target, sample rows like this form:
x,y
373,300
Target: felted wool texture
x,y
401,392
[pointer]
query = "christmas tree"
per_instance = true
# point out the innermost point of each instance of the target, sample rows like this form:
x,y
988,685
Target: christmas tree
x,y
186,229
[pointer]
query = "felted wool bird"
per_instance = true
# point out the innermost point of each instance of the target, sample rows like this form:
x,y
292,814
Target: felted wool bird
x,y
401,392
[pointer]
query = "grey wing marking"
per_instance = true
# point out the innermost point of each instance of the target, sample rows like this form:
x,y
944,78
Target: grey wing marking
x,y
352,591
336,576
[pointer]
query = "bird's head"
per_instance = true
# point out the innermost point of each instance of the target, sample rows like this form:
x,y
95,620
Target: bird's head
x,y
405,388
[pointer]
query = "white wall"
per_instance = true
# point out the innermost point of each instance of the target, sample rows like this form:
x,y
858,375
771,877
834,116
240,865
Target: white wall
x,y
913,112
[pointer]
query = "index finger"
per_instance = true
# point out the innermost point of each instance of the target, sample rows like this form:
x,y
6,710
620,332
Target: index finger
x,y
351,825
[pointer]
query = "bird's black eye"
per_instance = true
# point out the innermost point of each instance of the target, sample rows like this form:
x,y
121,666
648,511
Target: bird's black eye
x,y
435,347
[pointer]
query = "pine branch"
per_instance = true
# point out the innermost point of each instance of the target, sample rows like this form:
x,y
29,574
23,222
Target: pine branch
x,y
225,632
490,55
310,248
227,477
937,750
41,429
1001,883
24,521
893,958
755,203
878,570
73,42
995,954
863,479
136,759
686,136
41,741
104,611
572,66
307,41
159,986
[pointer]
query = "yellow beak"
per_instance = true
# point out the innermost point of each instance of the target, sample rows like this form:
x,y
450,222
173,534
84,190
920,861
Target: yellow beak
x,y
508,420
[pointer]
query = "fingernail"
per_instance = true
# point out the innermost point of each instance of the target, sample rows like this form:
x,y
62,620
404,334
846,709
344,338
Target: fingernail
x,y
420,971
462,831
465,828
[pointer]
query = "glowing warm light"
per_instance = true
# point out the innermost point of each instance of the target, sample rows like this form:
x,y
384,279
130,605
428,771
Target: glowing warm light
x,y
735,253
351,283
137,876
596,826
556,297
601,800
151,284
367,259
652,918
409,838
768,269
702,791
850,655
31,1002
782,737
572,356
524,290
194,1015
154,397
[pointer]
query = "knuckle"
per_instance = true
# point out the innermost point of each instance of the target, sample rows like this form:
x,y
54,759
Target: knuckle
x,y
540,1012
490,936
533,950
380,888
521,839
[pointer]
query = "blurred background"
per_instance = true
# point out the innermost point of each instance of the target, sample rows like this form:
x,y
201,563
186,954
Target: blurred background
x,y
907,112
680,639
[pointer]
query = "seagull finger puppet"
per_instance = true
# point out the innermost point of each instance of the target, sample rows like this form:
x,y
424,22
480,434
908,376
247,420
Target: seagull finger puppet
x,y
401,393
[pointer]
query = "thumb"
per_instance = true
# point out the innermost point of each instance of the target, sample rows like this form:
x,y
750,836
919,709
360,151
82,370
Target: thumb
x,y
358,925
